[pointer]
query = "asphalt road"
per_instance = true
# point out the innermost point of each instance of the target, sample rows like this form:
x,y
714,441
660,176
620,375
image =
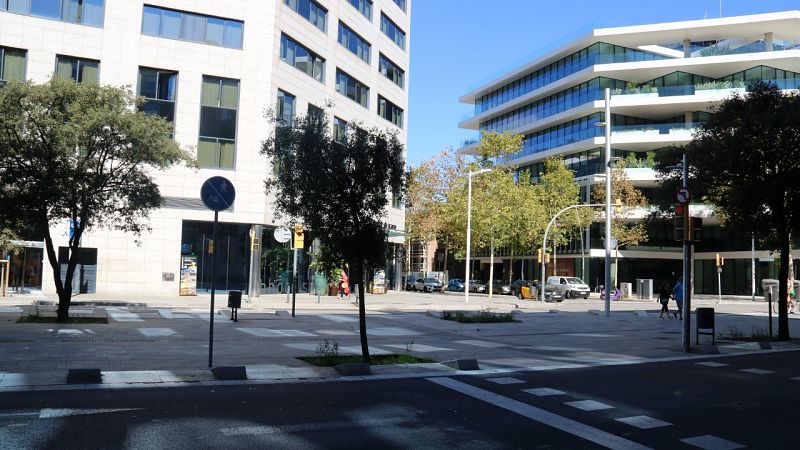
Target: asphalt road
x,y
679,404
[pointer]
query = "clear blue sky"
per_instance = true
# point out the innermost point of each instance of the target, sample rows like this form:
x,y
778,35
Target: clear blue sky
x,y
456,44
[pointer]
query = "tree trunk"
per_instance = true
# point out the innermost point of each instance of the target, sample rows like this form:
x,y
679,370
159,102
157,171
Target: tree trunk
x,y
783,291
491,268
362,313
511,266
616,266
63,288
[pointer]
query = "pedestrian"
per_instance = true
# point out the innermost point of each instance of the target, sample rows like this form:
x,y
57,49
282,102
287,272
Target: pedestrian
x,y
677,294
344,286
663,297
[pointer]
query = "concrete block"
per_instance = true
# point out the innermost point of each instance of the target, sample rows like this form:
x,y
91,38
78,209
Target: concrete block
x,y
230,372
463,364
361,368
84,376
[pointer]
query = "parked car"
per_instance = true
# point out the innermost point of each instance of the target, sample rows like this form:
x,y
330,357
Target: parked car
x,y
477,286
572,287
455,284
428,285
552,292
499,287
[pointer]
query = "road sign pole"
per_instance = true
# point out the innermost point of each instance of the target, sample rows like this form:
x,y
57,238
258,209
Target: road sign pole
x,y
687,269
294,280
719,284
213,289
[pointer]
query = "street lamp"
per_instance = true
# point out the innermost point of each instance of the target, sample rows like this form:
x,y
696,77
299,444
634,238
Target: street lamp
x,y
607,161
469,227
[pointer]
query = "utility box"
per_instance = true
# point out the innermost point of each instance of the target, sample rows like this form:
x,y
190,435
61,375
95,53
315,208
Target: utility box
x,y
626,290
644,287
770,288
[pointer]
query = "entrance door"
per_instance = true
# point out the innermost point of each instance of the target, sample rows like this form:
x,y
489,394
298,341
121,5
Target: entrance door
x,y
230,249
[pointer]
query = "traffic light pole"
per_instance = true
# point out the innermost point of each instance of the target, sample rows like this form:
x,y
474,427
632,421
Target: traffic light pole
x,y
687,260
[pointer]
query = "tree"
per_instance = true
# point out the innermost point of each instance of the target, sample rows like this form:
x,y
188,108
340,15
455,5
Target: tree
x,y
623,227
745,160
339,190
79,152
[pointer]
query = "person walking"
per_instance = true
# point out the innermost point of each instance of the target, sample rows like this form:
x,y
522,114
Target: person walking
x,y
677,294
663,297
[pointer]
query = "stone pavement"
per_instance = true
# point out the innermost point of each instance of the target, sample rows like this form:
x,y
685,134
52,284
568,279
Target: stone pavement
x,y
164,341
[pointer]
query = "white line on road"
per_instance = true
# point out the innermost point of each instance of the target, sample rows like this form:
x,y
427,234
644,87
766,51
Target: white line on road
x,y
322,426
757,371
545,417
643,422
588,405
709,442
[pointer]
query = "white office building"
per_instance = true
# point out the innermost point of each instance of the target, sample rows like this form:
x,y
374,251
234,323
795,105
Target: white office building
x,y
665,79
213,69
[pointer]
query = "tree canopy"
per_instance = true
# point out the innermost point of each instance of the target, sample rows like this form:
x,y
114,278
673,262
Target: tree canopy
x,y
79,152
745,161
339,189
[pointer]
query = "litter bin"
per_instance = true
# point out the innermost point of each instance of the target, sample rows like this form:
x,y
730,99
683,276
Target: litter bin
x,y
234,303
705,322
770,288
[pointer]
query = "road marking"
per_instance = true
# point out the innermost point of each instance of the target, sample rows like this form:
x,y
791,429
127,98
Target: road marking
x,y
122,316
392,331
544,392
594,335
709,442
796,378
505,380
564,424
47,413
422,348
643,422
335,318
757,371
589,405
157,332
480,343
324,426
69,331
267,332
712,364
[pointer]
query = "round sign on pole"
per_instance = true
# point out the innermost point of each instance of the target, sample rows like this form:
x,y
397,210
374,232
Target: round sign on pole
x,y
683,195
282,235
217,193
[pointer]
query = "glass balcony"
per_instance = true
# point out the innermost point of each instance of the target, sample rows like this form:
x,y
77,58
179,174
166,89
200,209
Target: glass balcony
x,y
653,130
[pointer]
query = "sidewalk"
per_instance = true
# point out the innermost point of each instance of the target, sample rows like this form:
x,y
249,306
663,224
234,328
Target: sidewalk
x,y
164,341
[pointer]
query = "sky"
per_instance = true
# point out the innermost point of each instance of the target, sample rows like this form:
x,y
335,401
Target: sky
x,y
458,44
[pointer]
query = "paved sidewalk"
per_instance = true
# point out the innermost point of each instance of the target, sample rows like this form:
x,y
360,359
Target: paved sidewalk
x,y
164,341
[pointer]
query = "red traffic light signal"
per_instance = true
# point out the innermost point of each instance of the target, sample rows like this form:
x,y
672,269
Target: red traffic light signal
x,y
680,222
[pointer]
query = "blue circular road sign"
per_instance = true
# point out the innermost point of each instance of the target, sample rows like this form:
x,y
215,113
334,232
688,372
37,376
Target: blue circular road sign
x,y
218,193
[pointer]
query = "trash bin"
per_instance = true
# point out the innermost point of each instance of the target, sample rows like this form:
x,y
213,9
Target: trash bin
x,y
705,322
234,299
770,288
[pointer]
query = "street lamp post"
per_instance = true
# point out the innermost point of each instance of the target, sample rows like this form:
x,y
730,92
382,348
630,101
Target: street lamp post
x,y
607,160
469,228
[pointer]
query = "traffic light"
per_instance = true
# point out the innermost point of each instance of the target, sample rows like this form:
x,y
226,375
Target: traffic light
x,y
720,260
681,213
539,255
298,236
696,229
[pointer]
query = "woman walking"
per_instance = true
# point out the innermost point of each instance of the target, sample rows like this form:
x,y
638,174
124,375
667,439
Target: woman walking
x,y
663,297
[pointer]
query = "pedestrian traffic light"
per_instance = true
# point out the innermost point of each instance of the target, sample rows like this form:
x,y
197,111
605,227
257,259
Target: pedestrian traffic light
x,y
696,229
298,236
681,212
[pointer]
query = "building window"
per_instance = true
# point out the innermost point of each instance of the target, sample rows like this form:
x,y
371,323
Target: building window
x,y
391,70
339,130
394,32
286,102
302,58
85,12
219,103
78,69
352,88
401,4
364,7
12,64
390,111
168,23
158,87
315,111
353,42
311,10
397,200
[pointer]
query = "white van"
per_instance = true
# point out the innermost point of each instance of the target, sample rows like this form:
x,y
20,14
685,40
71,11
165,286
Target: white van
x,y
573,287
